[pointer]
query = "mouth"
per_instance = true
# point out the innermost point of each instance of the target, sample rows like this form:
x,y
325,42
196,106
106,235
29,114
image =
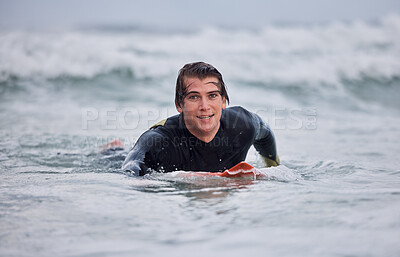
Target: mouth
x,y
205,117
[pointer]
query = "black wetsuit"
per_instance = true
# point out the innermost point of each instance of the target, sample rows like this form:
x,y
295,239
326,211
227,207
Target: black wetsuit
x,y
171,146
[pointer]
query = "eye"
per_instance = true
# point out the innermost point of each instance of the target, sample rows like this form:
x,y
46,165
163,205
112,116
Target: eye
x,y
193,97
213,95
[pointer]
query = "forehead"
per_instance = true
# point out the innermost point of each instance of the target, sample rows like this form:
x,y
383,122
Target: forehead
x,y
196,84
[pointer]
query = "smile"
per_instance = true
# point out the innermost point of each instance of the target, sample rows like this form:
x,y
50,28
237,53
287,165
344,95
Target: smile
x,y
204,117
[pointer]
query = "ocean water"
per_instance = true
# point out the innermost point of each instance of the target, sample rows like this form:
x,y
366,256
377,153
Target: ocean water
x,y
330,92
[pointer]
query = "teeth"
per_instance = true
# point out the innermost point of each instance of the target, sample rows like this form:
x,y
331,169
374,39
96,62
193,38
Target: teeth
x,y
205,117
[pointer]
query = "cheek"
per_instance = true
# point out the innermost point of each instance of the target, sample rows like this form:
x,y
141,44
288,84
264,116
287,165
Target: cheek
x,y
219,106
190,108
189,112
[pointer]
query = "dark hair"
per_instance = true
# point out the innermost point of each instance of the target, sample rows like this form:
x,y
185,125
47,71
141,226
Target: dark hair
x,y
199,70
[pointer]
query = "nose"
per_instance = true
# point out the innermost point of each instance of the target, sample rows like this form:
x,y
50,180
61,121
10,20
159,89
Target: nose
x,y
204,104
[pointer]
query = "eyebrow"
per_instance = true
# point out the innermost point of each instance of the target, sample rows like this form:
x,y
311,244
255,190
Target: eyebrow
x,y
211,82
209,92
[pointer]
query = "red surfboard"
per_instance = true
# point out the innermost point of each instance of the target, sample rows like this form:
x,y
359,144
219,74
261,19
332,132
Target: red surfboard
x,y
240,170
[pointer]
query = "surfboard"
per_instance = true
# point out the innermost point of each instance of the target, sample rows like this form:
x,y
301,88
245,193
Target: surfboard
x,y
240,170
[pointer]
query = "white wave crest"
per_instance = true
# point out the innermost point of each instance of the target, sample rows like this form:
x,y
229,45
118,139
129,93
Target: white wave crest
x,y
311,54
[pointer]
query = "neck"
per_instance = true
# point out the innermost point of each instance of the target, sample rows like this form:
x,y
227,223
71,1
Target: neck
x,y
206,138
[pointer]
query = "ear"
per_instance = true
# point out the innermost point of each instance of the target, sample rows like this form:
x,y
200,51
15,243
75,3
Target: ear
x,y
223,103
179,109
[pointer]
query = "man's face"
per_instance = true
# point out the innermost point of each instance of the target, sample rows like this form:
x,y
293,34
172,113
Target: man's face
x,y
202,107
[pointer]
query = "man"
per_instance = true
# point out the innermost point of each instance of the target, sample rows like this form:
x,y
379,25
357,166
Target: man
x,y
205,135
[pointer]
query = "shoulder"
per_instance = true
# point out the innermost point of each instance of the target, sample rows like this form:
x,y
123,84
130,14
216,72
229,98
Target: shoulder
x,y
170,123
149,140
237,116
160,134
238,112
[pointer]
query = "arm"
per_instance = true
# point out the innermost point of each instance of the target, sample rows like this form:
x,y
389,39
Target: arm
x,y
134,162
265,142
139,159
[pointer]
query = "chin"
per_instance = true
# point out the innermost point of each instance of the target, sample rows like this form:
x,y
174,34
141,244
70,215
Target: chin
x,y
206,129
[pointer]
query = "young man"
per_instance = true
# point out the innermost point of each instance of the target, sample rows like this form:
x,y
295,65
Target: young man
x,y
205,135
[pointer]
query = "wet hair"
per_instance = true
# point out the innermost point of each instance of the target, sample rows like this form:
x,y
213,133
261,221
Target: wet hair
x,y
200,70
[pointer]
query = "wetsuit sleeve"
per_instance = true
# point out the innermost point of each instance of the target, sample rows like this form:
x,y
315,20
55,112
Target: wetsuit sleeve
x,y
265,142
140,158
